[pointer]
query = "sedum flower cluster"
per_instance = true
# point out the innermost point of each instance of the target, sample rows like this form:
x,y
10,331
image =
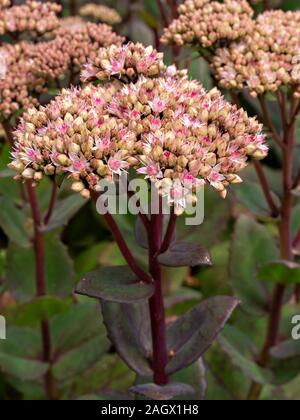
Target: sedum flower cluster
x,y
126,63
34,17
83,39
261,54
26,71
159,123
266,59
4,4
207,23
101,13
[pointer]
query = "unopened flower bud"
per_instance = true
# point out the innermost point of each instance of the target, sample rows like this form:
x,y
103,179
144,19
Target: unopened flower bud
x,y
28,173
77,187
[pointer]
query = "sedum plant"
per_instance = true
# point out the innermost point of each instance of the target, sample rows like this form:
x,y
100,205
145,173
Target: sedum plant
x,y
256,61
142,117
101,13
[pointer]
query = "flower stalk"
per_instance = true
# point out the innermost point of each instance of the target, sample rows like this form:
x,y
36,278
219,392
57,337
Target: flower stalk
x,y
156,305
40,269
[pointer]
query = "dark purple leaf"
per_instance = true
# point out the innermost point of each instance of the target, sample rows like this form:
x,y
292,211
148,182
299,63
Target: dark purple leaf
x,y
115,284
157,392
128,327
184,254
190,336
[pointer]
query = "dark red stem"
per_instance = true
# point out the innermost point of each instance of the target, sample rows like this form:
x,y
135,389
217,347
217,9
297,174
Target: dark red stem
x,y
118,237
8,131
169,234
73,7
51,204
131,261
269,122
163,13
154,229
296,241
297,180
266,188
38,241
156,305
267,4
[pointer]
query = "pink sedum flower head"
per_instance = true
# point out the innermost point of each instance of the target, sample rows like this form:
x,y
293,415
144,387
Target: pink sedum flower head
x,y
101,13
127,62
4,4
207,23
166,127
26,71
116,164
266,59
3,64
34,17
83,41
151,170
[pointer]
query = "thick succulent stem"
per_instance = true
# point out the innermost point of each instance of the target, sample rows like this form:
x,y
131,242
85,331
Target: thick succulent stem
x,y
156,305
131,261
266,188
169,234
51,204
73,7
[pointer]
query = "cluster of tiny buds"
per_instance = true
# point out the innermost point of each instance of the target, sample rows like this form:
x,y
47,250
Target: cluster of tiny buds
x,y
33,16
4,4
125,63
166,128
71,135
206,23
26,71
84,39
100,13
266,59
3,63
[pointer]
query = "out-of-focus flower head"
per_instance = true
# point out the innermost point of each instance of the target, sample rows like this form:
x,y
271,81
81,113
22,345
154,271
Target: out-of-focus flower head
x,y
101,13
206,23
3,63
126,63
26,70
166,127
34,17
85,38
70,22
4,4
266,59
